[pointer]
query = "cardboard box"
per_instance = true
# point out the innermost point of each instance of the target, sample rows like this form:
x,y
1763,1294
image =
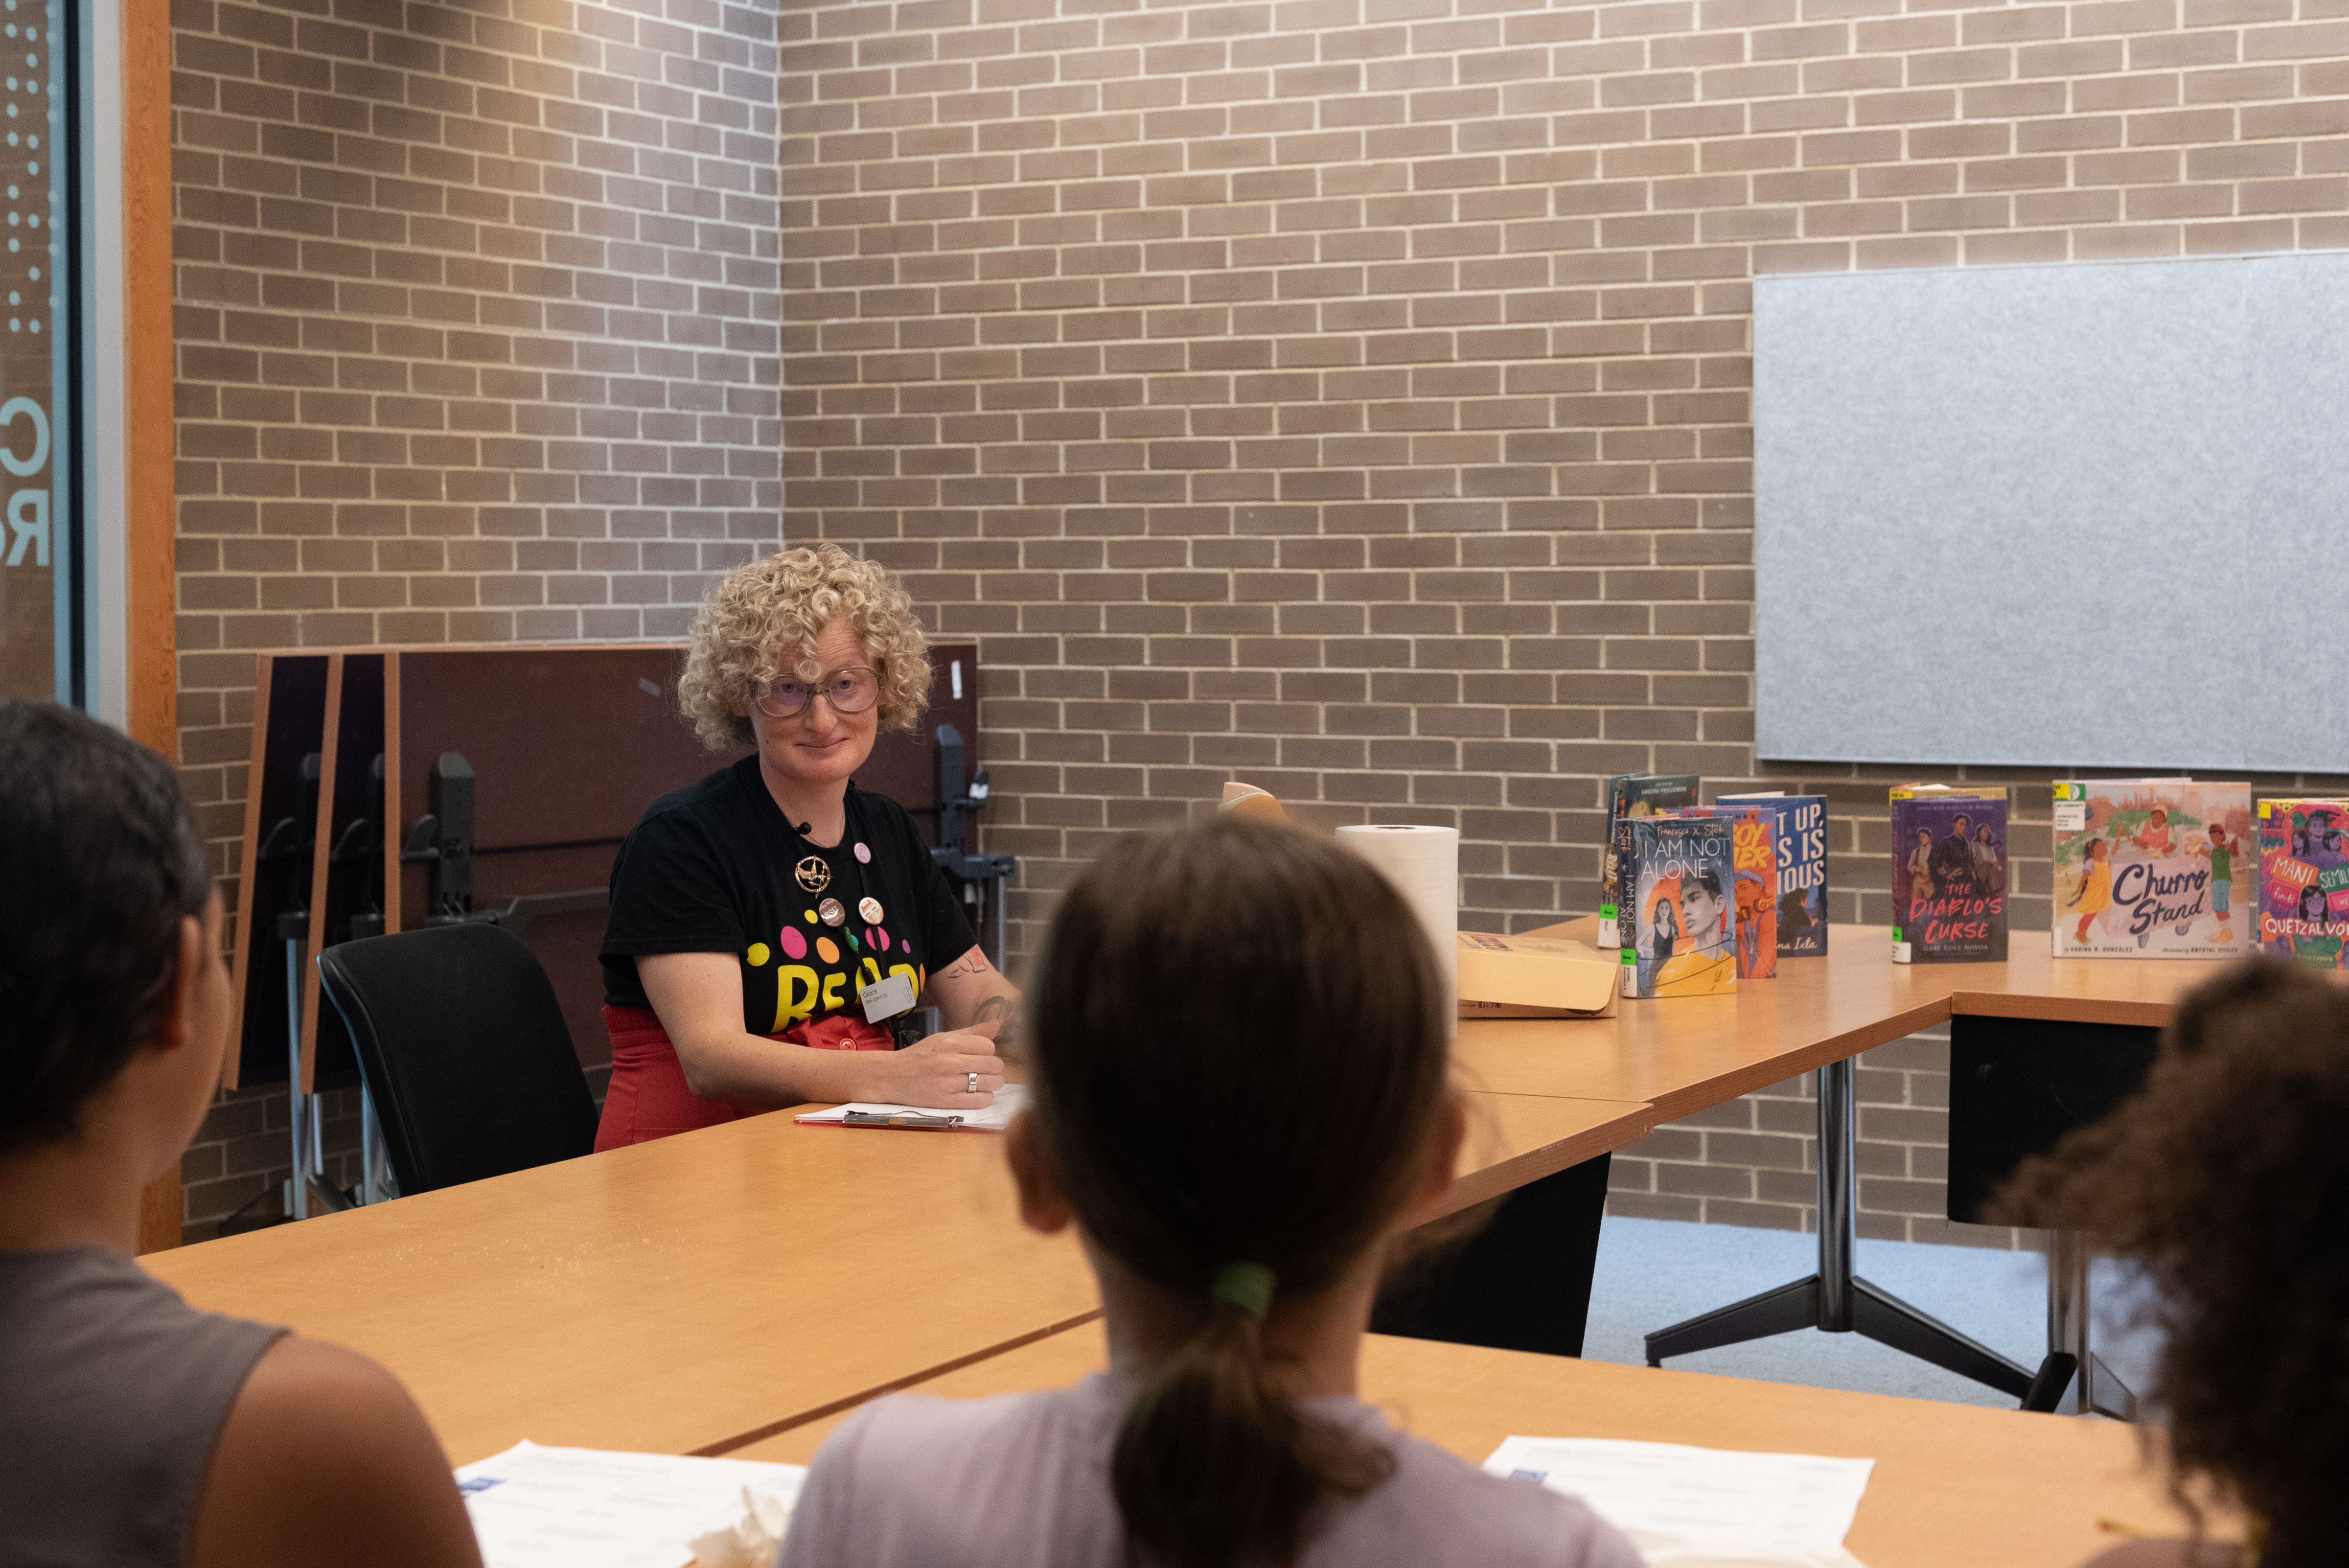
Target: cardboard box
x,y
1534,976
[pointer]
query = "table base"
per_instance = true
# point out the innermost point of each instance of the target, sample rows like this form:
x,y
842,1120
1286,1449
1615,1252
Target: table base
x,y
1835,1300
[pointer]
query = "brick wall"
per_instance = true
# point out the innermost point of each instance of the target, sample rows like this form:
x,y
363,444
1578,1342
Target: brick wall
x,y
477,342
1351,396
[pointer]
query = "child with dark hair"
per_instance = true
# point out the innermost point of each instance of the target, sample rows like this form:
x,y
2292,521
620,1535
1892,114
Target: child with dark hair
x,y
2094,895
2222,875
135,1431
1239,1096
2227,1181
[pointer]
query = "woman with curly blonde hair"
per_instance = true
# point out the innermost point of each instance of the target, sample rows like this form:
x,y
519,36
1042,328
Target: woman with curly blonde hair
x,y
751,911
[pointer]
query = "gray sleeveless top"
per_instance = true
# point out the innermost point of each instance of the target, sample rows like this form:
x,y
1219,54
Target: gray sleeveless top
x,y
112,1393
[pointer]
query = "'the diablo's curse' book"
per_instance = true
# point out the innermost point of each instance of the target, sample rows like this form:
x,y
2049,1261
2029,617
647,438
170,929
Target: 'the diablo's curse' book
x,y
1949,873
1630,796
1802,869
2153,869
1678,925
2304,881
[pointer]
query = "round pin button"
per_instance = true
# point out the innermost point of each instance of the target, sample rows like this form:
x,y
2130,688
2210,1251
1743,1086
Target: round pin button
x,y
833,915
870,908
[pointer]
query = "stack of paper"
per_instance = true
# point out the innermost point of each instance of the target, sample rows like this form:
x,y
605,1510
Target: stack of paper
x,y
1702,1508
592,1508
994,1118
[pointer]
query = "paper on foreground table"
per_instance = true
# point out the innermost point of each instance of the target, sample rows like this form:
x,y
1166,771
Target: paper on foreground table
x,y
535,1507
994,1118
1702,1508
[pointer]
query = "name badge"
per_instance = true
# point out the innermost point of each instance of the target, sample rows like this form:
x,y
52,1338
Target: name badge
x,y
887,998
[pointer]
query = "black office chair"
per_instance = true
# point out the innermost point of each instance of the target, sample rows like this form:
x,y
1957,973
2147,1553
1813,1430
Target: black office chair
x,y
465,1050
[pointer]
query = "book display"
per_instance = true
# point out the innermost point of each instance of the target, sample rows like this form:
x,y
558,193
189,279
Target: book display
x,y
1949,873
1678,921
2151,869
1632,795
2303,870
1753,859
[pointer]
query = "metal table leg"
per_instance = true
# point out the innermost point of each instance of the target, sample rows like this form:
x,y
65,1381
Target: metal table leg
x,y
1835,1300
2095,1389
300,1110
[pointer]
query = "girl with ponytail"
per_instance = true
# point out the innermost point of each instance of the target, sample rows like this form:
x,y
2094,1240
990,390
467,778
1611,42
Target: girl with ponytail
x,y
1238,1096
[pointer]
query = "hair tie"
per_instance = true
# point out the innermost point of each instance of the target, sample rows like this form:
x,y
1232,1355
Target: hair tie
x,y
1248,1286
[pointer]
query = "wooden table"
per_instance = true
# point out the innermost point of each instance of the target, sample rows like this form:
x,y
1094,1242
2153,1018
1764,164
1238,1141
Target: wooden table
x,y
692,1293
687,1295
1955,1486
1689,1054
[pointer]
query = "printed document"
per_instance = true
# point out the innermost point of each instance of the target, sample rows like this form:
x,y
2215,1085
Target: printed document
x,y
1686,1506
994,1118
537,1507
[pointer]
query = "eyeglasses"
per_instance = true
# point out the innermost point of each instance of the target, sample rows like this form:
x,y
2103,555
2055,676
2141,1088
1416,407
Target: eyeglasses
x,y
852,689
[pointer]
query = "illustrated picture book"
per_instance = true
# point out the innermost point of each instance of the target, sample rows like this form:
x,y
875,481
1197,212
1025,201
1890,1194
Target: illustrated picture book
x,y
2153,869
1678,927
1802,902
1949,873
1630,796
2304,911
1753,858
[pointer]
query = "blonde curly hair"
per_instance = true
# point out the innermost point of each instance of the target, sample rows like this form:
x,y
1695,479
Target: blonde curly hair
x,y
766,611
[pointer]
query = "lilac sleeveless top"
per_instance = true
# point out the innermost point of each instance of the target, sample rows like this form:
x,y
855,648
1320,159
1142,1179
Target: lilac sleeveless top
x,y
1022,1481
112,1394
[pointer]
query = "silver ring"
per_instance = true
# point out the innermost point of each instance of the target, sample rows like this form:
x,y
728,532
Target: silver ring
x,y
972,1088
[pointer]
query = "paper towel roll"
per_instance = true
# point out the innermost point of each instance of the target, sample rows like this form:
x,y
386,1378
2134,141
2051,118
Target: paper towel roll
x,y
1423,862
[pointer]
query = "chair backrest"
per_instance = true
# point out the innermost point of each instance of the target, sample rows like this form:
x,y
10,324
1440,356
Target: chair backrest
x,y
465,1050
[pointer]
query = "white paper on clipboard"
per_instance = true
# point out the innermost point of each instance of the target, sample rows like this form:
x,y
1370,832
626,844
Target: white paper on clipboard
x,y
1702,1508
994,1118
534,1507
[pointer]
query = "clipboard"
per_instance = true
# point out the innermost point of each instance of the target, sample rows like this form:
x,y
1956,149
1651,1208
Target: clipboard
x,y
922,1119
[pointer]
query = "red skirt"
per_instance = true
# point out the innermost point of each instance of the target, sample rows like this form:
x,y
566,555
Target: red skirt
x,y
649,1097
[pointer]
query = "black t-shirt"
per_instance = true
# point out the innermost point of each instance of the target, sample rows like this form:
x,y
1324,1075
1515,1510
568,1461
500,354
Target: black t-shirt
x,y
715,869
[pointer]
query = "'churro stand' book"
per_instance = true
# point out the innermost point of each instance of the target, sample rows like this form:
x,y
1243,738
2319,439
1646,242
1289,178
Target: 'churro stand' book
x,y
2154,868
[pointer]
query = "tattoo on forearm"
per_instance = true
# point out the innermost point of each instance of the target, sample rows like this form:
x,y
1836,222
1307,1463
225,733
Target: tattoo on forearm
x,y
1002,1009
962,966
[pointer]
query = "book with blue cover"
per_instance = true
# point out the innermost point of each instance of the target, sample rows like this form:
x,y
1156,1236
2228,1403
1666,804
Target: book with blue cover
x,y
1678,919
1632,795
1802,893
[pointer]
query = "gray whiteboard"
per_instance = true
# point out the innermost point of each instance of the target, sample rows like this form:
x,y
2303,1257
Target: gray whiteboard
x,y
2086,515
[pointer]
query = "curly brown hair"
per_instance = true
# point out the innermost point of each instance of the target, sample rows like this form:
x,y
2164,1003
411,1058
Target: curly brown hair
x,y
2228,1180
763,618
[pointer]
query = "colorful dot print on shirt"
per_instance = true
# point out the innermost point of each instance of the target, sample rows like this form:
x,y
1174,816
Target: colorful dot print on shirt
x,y
794,945
758,955
825,951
